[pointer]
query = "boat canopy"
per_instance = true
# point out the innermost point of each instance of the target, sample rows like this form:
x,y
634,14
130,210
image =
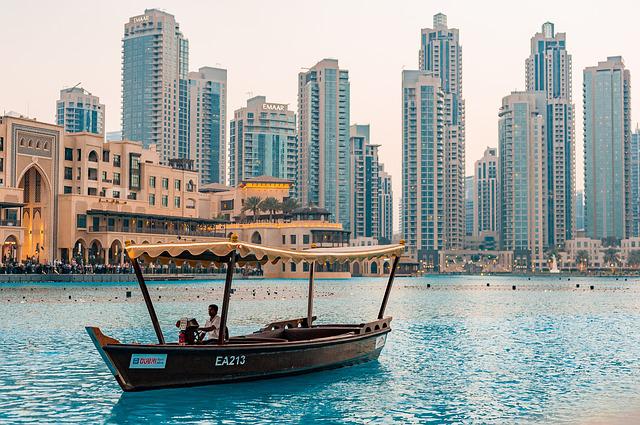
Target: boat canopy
x,y
219,252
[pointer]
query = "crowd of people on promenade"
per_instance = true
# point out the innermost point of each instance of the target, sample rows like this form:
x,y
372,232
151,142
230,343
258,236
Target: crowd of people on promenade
x,y
33,266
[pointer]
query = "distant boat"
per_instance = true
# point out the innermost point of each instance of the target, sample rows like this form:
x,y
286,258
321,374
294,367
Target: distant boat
x,y
280,348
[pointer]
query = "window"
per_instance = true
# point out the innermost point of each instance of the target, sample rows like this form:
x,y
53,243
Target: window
x,y
284,239
105,156
190,186
305,239
104,176
134,171
95,224
125,224
93,174
116,179
305,267
176,184
93,156
293,239
79,173
165,183
152,181
67,190
116,160
68,173
81,221
165,201
68,154
1,164
227,205
293,266
176,202
92,191
79,154
116,194
1,144
132,195
152,199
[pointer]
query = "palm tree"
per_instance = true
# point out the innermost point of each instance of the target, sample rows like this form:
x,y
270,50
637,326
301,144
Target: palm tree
x,y
288,205
270,205
634,259
252,203
582,259
611,257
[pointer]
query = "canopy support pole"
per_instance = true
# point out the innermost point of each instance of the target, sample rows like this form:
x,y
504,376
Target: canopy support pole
x,y
231,265
392,275
312,268
147,300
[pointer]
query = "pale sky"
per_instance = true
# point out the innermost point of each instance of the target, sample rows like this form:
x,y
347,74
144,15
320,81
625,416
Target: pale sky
x,y
264,44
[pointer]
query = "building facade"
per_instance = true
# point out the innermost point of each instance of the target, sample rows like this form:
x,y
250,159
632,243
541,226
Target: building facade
x,y
364,184
522,176
607,150
548,70
485,182
79,111
155,94
579,211
385,204
441,55
263,141
423,121
634,182
208,123
323,132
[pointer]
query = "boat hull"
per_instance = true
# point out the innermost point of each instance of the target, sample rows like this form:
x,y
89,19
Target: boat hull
x,y
143,367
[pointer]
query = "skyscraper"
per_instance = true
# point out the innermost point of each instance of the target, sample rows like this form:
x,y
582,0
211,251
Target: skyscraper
x,y
208,123
364,183
385,205
441,55
323,122
78,111
548,69
155,62
634,191
485,216
607,146
579,211
522,174
423,121
263,141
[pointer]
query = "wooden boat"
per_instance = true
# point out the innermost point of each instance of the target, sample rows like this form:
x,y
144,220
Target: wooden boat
x,y
281,348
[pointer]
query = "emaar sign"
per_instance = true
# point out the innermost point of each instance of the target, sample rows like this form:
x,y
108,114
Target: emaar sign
x,y
274,107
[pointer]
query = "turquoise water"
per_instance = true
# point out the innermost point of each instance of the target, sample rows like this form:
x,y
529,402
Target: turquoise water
x,y
459,352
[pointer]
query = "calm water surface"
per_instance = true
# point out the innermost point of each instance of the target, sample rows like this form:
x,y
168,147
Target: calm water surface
x,y
460,352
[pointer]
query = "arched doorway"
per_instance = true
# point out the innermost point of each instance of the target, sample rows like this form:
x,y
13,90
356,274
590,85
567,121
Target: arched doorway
x,y
356,269
385,267
37,220
256,238
10,249
115,252
80,252
95,253
374,267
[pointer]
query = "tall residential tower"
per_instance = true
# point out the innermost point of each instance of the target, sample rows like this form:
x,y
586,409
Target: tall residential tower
x,y
423,120
364,183
548,70
323,122
441,56
79,111
155,61
607,150
485,205
208,123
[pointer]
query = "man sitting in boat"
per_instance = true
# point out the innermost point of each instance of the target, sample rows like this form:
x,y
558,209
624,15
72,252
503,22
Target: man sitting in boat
x,y
212,326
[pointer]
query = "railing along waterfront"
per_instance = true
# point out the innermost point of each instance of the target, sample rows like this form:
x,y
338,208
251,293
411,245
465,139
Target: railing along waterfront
x,y
157,231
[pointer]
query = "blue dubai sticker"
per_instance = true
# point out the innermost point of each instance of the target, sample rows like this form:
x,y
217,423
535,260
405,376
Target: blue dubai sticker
x,y
148,361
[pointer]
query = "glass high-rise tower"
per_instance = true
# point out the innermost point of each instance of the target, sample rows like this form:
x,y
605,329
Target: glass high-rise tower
x,y
323,120
423,121
78,111
548,70
365,183
155,61
208,123
441,55
522,175
634,190
607,150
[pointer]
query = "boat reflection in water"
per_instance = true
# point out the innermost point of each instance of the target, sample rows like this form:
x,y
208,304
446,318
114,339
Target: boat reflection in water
x,y
280,348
